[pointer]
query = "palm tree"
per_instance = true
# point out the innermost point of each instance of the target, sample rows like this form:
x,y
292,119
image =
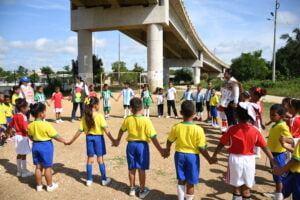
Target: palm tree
x,y
47,71
289,38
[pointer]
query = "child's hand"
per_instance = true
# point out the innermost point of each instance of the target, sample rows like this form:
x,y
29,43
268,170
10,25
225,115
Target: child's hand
x,y
68,143
263,126
213,160
165,153
277,171
116,143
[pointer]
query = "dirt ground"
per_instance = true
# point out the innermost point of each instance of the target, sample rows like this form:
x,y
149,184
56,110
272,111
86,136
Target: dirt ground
x,y
69,167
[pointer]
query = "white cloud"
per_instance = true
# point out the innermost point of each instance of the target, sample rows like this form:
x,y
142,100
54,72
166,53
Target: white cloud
x,y
286,17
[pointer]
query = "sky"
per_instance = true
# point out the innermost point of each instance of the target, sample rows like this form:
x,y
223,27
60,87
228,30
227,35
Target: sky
x,y
36,33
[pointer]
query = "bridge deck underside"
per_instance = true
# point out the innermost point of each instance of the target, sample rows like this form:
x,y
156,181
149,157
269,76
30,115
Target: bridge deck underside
x,y
110,3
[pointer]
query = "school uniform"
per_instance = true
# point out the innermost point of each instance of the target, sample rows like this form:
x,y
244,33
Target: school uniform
x,y
20,123
146,96
14,98
160,104
279,153
40,98
127,94
189,140
106,95
291,183
171,92
241,163
188,95
9,112
42,133
295,126
3,120
140,132
199,98
214,101
57,98
95,143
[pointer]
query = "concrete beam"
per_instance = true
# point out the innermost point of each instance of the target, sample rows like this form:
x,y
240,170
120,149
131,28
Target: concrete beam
x,y
173,62
100,19
197,74
85,55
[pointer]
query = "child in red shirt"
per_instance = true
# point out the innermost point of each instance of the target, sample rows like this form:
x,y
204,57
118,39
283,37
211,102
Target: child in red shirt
x,y
57,97
20,123
295,120
92,91
242,139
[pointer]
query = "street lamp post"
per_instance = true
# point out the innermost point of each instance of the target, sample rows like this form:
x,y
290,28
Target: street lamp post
x,y
274,41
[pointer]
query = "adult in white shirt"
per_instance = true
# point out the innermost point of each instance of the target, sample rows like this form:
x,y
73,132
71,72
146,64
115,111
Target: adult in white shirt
x,y
79,92
230,110
171,100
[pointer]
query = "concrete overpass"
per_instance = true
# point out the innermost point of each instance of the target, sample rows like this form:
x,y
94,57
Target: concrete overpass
x,y
161,25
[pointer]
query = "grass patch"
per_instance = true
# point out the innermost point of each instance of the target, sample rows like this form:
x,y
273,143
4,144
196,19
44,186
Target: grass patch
x,y
160,172
119,160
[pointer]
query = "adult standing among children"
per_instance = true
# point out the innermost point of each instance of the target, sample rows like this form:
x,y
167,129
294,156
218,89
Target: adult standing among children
x,y
79,92
207,100
234,84
27,91
171,100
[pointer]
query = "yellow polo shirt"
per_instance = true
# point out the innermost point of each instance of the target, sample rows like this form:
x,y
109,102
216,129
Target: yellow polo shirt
x,y
189,138
139,128
40,130
100,124
9,110
14,98
214,101
3,112
296,156
278,130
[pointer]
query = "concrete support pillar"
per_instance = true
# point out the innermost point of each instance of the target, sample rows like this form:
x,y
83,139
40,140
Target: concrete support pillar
x,y
155,55
166,74
197,74
85,55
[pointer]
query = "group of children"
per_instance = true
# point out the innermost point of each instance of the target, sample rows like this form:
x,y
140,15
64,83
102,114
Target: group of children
x,y
189,138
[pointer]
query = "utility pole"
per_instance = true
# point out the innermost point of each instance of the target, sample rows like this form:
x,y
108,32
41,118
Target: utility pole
x,y
274,42
119,64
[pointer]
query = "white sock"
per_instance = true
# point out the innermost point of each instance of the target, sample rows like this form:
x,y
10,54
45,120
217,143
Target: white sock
x,y
145,112
181,192
201,114
189,196
125,112
278,196
19,165
148,112
24,165
129,113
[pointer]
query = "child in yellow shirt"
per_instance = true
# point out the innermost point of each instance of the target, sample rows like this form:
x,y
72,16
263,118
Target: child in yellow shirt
x,y
42,133
213,103
94,126
9,108
140,132
3,121
190,141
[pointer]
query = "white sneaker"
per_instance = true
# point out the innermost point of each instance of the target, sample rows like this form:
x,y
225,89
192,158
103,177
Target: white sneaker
x,y
89,183
144,193
26,173
73,120
167,116
124,116
39,188
106,182
52,187
133,191
176,117
60,120
159,116
18,174
216,126
57,121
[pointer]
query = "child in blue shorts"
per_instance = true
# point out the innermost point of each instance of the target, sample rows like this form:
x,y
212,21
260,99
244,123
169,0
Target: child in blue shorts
x,y
278,130
214,101
190,141
140,132
3,120
94,126
42,133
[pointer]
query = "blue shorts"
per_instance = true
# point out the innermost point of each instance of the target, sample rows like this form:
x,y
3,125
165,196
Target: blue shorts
x,y
187,167
95,145
138,155
214,111
8,119
42,153
291,185
2,129
280,159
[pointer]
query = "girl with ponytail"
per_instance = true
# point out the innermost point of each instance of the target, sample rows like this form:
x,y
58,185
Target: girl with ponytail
x,y
94,126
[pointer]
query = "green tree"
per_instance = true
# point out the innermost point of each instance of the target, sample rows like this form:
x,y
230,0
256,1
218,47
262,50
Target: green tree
x,y
250,66
138,68
21,71
75,67
34,76
115,66
47,71
288,57
183,74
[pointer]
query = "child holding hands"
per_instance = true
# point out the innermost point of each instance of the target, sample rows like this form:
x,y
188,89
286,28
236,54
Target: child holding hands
x,y
190,141
94,126
140,132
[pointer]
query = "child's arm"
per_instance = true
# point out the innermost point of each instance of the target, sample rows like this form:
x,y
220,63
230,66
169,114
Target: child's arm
x,y
268,153
107,132
284,140
157,146
61,139
268,123
152,99
117,142
205,154
217,151
280,170
78,133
